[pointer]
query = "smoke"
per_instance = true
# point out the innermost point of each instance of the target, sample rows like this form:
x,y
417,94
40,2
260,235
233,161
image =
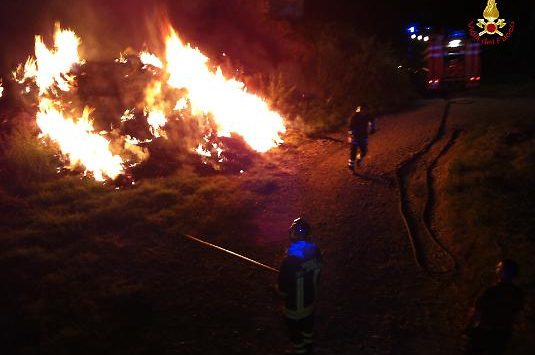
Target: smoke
x,y
106,26
236,27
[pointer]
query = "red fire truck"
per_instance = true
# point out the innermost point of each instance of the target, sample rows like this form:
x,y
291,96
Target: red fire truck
x,y
453,60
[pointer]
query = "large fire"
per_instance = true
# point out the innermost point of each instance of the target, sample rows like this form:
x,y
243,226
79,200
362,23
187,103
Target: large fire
x,y
202,91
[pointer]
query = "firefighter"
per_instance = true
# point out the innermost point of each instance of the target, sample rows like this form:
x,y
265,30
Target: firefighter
x,y
359,123
298,284
495,312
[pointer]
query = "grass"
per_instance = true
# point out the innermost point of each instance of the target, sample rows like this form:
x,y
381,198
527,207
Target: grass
x,y
492,180
90,269
489,202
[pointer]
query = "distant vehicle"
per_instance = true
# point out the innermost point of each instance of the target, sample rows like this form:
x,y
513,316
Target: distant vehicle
x,y
451,60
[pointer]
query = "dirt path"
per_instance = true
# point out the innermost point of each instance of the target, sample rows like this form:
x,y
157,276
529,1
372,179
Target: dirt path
x,y
175,296
369,303
380,293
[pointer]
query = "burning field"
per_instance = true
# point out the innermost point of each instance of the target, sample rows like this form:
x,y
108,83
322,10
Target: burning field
x,y
75,133
105,119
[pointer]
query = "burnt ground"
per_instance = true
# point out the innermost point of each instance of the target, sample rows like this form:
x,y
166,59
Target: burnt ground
x,y
382,292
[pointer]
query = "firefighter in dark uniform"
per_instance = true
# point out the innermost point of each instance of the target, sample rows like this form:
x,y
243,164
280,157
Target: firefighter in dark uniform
x,y
495,312
298,283
359,123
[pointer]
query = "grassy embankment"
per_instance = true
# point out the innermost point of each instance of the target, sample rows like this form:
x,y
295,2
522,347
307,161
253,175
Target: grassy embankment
x,y
85,265
488,202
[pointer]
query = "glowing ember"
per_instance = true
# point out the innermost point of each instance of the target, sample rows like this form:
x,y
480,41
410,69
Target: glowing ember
x,y
203,152
1,89
52,66
128,115
181,104
150,59
122,59
233,108
78,141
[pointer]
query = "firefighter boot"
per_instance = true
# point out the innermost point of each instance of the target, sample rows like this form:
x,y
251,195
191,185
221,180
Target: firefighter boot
x,y
309,342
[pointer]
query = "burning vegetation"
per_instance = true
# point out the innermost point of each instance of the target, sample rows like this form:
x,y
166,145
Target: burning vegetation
x,y
179,96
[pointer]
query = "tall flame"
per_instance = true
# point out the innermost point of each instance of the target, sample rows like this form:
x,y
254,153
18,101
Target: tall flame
x,y
234,109
491,12
78,141
52,66
76,138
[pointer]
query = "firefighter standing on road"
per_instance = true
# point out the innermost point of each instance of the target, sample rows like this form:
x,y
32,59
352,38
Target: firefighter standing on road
x,y
495,312
298,283
359,123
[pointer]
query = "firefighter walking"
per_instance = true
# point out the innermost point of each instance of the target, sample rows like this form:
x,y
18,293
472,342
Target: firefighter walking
x,y
359,123
298,283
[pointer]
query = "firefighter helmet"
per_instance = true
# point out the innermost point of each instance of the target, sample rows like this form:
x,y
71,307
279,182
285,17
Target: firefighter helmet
x,y
299,230
361,107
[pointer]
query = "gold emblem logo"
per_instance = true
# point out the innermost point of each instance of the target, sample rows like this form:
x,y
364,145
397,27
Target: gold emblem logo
x,y
494,23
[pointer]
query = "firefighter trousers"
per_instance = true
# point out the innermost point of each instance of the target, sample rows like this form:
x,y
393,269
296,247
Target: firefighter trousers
x,y
301,332
358,144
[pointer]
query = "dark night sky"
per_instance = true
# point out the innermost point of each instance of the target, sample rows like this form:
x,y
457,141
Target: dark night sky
x,y
112,23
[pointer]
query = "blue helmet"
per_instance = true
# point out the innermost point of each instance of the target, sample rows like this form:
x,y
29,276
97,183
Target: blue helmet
x,y
300,230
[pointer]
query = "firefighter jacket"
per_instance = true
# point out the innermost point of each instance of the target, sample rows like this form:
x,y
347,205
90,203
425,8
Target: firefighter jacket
x,y
298,279
358,125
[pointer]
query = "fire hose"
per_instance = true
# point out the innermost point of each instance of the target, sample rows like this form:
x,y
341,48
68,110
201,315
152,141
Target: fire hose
x,y
216,247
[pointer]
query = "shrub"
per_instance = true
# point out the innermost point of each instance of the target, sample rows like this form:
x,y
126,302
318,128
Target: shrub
x,y
26,160
341,69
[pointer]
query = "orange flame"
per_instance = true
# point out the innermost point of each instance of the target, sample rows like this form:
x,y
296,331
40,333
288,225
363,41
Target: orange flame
x,y
234,109
155,109
148,58
79,144
78,141
203,91
52,66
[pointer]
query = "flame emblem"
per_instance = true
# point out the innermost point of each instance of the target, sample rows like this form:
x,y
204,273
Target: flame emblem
x,y
492,23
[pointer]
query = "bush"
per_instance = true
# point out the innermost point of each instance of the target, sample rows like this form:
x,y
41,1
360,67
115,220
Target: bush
x,y
26,160
341,69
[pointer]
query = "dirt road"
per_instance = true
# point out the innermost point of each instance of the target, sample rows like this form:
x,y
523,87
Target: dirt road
x,y
386,288
382,292
370,279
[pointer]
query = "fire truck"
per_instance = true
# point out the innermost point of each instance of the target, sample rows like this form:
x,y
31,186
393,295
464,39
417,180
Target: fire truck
x,y
451,60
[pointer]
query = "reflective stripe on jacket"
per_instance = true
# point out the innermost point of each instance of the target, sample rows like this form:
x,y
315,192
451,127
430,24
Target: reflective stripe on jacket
x,y
298,279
